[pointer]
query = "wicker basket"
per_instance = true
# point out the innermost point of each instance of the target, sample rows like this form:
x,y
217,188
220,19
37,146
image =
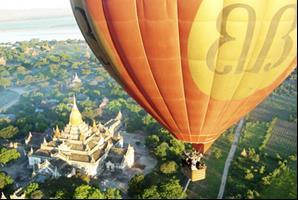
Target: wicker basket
x,y
195,174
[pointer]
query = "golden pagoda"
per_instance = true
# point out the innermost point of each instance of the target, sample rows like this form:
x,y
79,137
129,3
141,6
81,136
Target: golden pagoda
x,y
75,115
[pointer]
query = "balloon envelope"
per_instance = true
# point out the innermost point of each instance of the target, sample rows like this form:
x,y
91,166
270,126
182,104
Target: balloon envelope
x,y
197,66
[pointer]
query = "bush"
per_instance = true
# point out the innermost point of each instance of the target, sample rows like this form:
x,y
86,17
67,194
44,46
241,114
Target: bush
x,y
161,150
32,187
5,180
87,192
217,153
152,141
249,176
168,167
8,132
8,155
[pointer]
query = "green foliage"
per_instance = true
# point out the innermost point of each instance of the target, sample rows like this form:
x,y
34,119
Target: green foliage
x,y
252,155
249,176
268,134
252,194
8,132
262,169
135,185
177,147
7,155
293,157
153,186
36,195
87,192
217,153
150,193
113,193
161,150
5,180
152,141
5,82
52,187
172,190
60,195
32,187
169,167
281,187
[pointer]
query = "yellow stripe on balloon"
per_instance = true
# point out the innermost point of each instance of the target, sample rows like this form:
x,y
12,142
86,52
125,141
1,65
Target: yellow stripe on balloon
x,y
239,47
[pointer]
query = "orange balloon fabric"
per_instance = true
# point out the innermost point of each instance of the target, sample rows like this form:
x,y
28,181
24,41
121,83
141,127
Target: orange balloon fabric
x,y
197,66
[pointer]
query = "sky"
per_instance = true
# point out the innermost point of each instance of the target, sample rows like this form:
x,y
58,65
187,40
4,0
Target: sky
x,y
33,4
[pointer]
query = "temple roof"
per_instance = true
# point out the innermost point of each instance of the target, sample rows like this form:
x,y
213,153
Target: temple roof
x,y
116,155
75,115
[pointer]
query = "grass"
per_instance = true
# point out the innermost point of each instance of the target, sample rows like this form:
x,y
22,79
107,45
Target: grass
x,y
7,96
282,187
253,134
283,140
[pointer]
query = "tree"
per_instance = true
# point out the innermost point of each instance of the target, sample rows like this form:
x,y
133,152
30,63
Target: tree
x,y
161,150
135,185
32,187
249,176
150,193
7,155
5,180
152,141
252,194
38,194
60,195
168,167
150,124
5,82
262,169
177,147
172,190
217,153
87,192
9,132
113,193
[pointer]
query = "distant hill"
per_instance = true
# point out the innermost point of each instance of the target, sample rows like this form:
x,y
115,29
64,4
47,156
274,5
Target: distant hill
x,y
15,15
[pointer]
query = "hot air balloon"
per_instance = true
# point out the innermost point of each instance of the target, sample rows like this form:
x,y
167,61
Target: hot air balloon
x,y
197,66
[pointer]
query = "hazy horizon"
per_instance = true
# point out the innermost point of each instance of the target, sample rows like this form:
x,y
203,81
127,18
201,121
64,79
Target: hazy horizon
x,y
37,22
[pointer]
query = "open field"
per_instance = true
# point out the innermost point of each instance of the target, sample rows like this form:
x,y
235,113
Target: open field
x,y
275,106
283,139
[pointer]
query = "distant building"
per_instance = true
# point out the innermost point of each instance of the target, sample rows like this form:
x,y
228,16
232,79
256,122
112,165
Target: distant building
x,y
76,79
87,54
81,147
2,61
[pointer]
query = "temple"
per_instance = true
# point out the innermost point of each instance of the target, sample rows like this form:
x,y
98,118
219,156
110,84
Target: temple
x,y
2,61
81,147
76,79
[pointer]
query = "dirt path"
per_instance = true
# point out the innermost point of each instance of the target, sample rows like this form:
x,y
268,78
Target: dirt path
x,y
229,160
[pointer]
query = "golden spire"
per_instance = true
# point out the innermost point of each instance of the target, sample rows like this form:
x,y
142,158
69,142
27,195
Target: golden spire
x,y
94,124
82,137
75,115
57,132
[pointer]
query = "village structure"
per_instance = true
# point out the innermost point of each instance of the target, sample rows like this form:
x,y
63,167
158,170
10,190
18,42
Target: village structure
x,y
80,147
76,80
2,61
